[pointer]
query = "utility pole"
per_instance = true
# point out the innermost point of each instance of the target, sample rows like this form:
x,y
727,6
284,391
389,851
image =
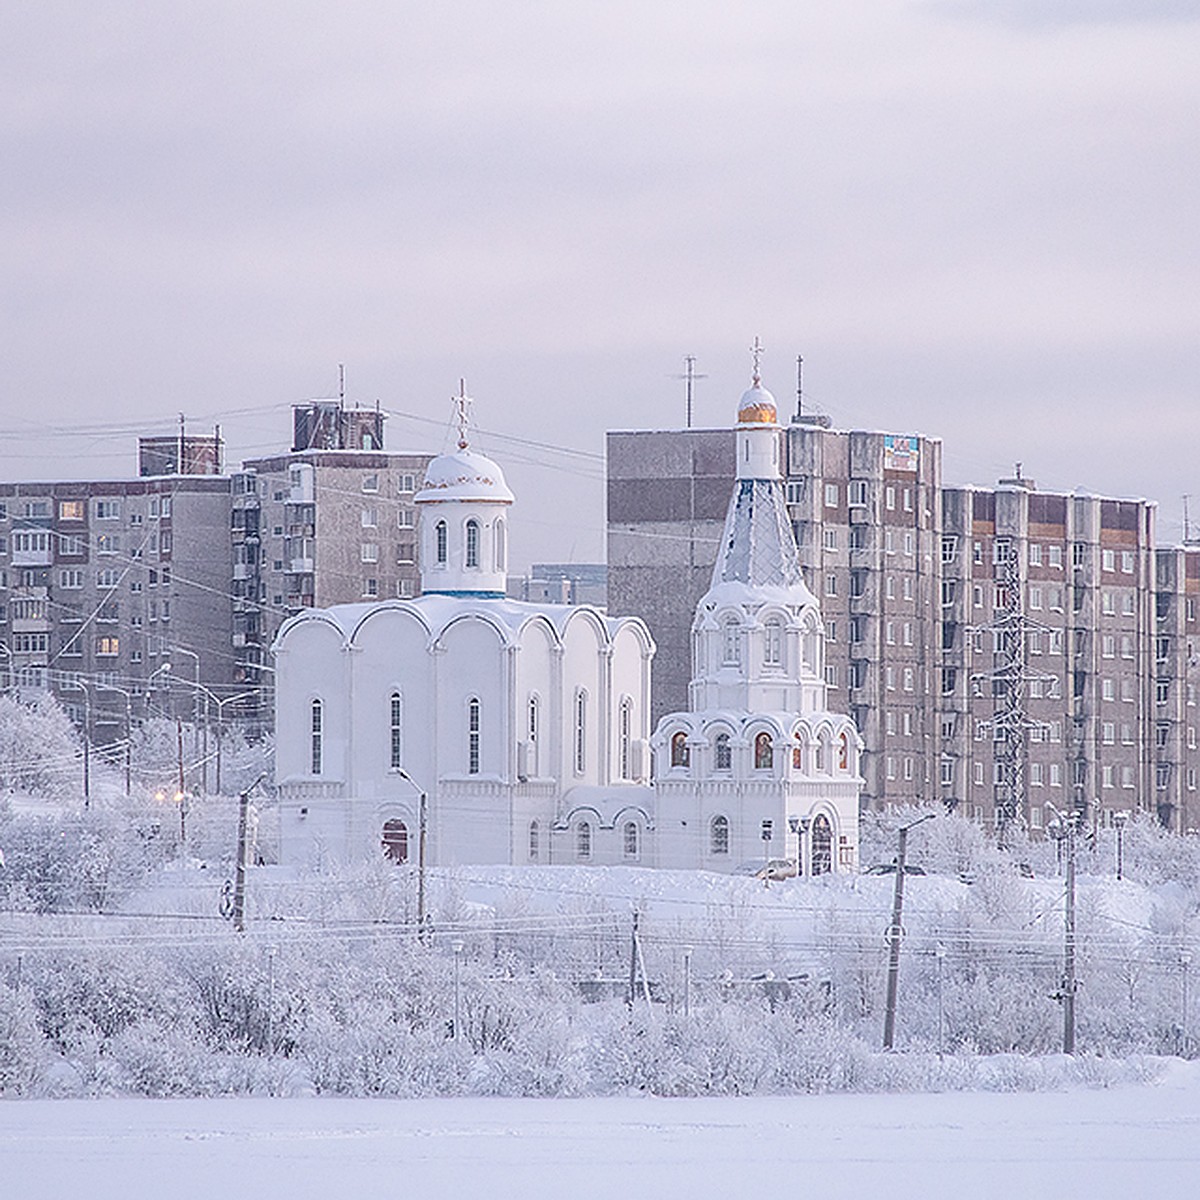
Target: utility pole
x,y
422,823
239,887
633,960
1069,984
182,790
687,983
895,933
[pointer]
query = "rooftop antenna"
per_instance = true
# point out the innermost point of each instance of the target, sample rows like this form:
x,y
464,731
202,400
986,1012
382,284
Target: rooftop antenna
x,y
341,385
462,412
182,440
1187,525
757,351
799,385
1019,477
690,375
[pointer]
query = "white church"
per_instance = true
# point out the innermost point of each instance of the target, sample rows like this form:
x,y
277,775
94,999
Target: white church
x,y
521,731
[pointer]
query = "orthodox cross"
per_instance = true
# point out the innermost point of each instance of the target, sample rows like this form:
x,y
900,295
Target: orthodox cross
x,y
462,413
757,350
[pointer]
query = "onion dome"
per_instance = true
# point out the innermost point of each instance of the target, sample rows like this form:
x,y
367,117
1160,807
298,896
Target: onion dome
x,y
464,476
757,407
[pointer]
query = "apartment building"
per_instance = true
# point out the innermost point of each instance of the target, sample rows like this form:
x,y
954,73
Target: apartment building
x,y
1004,649
330,522
104,582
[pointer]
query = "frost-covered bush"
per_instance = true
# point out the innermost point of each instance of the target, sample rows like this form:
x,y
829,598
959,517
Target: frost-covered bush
x,y
39,750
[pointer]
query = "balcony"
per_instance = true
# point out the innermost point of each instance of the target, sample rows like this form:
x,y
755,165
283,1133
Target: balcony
x,y
300,566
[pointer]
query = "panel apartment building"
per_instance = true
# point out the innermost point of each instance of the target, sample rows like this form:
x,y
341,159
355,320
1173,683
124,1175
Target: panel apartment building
x,y
103,582
1091,702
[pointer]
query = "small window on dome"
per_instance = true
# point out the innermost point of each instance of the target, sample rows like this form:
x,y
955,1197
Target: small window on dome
x,y
472,543
440,534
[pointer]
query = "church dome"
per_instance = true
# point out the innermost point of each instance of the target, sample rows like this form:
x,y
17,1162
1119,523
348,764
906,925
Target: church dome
x,y
757,407
463,475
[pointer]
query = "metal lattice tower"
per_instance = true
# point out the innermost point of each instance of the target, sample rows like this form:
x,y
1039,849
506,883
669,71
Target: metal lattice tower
x,y
1009,680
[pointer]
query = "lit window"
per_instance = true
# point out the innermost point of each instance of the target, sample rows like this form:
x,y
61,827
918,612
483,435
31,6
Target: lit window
x,y
764,755
679,749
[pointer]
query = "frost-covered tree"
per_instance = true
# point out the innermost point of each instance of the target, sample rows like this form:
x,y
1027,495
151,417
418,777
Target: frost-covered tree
x,y
39,749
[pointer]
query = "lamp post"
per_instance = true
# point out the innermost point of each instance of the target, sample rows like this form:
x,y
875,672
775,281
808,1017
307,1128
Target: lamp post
x,y
687,982
800,827
422,823
111,687
1185,965
1118,820
79,685
939,953
894,933
457,947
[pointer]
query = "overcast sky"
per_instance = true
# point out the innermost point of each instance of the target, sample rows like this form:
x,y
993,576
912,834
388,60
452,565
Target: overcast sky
x,y
976,219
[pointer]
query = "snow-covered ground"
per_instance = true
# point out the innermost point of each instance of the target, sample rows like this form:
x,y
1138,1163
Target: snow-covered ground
x,y
1120,1143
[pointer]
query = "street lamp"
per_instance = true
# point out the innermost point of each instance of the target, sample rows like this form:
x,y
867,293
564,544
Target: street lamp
x,y
112,687
422,823
1118,820
79,685
457,947
800,827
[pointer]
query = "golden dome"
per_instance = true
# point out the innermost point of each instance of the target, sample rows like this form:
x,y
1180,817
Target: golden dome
x,y
758,414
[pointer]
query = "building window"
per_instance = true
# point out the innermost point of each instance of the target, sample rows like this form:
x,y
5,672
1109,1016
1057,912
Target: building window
x,y
764,756
773,643
370,518
679,749
723,753
395,841
501,545
370,483
831,495
440,536
532,716
625,739
472,543
107,647
731,643
718,836
473,743
583,840
630,839
316,731
396,730
534,841
831,585
108,510
857,492
580,731
830,539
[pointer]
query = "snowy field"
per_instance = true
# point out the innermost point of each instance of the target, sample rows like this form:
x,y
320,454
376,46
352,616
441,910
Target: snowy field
x,y
1124,1142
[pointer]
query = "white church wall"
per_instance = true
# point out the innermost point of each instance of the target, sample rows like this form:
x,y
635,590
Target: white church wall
x,y
536,684
584,638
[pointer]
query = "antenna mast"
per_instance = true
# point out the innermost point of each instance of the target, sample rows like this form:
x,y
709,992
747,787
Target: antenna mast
x,y
689,376
799,385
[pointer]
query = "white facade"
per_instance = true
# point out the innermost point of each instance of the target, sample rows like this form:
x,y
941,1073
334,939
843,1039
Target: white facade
x,y
527,725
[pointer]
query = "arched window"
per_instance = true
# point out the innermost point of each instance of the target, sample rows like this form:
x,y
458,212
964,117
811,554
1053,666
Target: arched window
x,y
501,545
472,543
473,730
764,755
822,845
583,840
317,730
843,751
439,531
625,739
723,755
533,723
395,841
731,643
819,755
679,749
773,643
580,731
718,836
631,839
396,729
534,841
798,754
